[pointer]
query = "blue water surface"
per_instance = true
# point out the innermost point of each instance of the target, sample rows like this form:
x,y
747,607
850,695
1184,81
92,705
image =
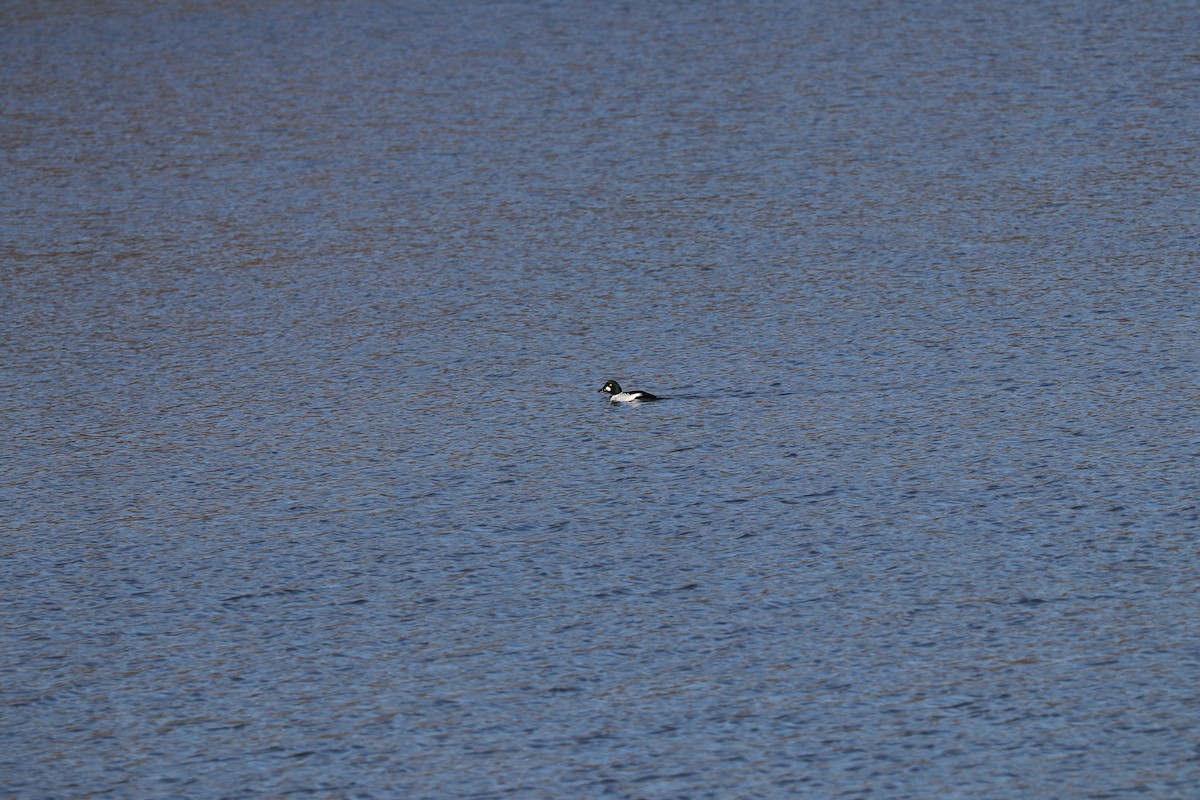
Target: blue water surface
x,y
309,490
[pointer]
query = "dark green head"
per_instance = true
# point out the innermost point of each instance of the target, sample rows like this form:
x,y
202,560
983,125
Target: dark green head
x,y
612,387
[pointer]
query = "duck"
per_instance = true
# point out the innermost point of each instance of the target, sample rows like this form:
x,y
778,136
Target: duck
x,y
616,395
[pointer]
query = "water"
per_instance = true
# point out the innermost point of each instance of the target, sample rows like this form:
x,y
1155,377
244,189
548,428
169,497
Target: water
x,y
309,489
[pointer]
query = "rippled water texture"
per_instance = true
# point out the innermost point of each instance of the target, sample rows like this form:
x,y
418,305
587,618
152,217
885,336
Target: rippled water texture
x,y
309,490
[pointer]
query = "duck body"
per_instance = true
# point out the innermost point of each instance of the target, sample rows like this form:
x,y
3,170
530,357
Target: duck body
x,y
617,395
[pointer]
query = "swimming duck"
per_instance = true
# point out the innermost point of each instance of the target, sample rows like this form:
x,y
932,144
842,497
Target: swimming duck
x,y
615,395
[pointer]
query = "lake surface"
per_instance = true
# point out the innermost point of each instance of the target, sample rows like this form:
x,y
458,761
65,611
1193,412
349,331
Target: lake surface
x,y
309,491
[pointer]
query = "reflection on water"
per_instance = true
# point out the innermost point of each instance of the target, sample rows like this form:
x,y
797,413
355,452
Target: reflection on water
x,y
310,487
